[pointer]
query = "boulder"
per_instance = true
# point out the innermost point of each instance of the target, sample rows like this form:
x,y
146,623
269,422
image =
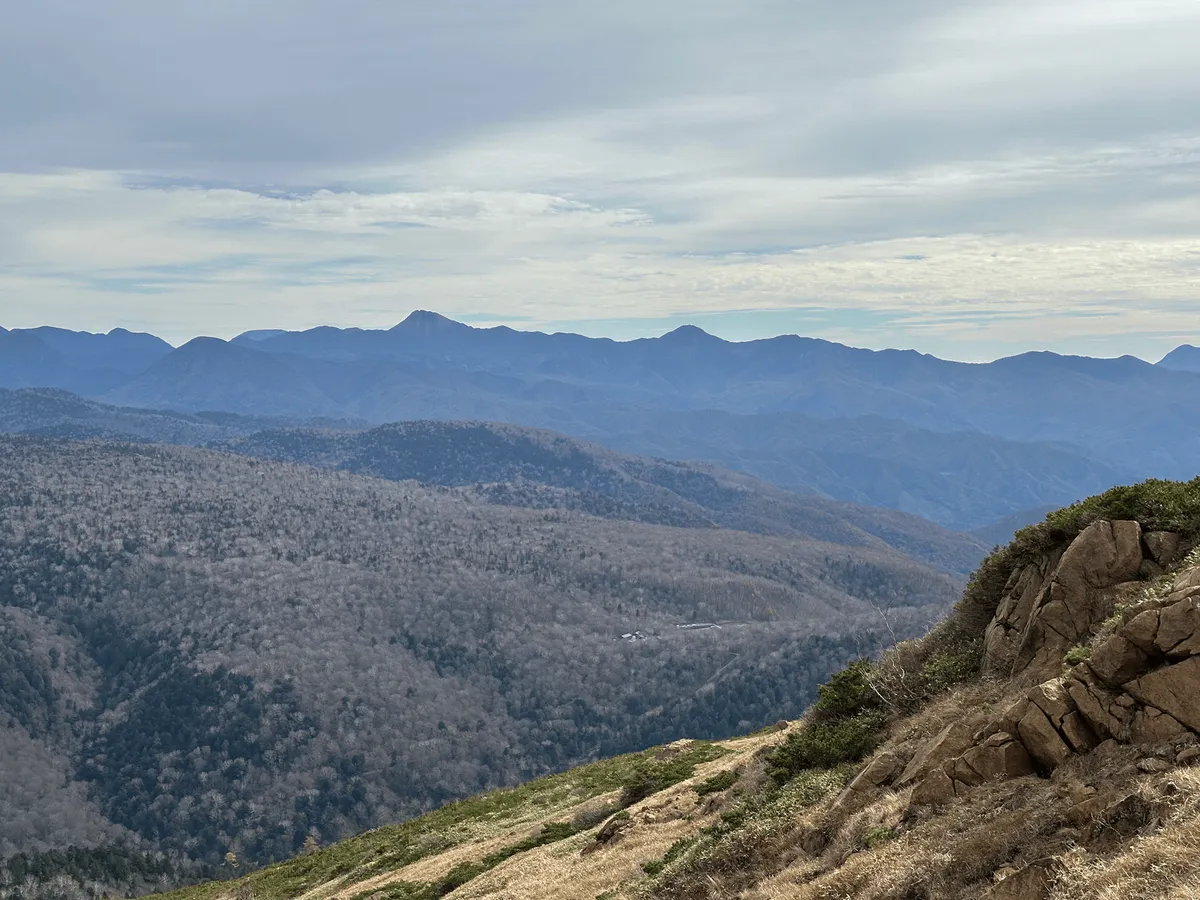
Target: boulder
x,y
878,772
1000,756
1079,594
1173,689
1178,632
1162,546
1118,660
1042,739
936,788
1020,598
1142,631
950,742
1151,727
1098,706
1051,697
1077,733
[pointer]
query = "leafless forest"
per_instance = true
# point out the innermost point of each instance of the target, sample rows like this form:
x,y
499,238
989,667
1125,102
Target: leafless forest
x,y
206,652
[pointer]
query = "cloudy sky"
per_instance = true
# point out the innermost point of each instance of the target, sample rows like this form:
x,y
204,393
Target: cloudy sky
x,y
966,177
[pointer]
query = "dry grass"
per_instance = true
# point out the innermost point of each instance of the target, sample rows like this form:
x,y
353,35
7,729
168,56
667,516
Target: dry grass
x,y
1161,866
561,871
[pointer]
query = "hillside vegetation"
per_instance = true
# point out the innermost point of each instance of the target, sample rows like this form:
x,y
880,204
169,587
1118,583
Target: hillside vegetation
x,y
208,653
511,466
947,769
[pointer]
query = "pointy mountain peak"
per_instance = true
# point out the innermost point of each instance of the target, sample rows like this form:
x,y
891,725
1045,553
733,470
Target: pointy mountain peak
x,y
423,321
690,334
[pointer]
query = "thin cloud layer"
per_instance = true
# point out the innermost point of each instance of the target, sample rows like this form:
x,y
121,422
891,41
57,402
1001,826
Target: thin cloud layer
x,y
968,178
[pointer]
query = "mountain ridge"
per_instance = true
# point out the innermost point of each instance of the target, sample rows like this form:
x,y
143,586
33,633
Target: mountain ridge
x,y
430,367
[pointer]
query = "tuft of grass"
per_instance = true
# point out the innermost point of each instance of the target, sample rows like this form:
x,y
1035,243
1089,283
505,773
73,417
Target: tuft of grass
x,y
746,841
676,850
879,834
1077,654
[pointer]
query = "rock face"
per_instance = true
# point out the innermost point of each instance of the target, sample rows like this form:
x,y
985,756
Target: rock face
x,y
1140,686
1051,606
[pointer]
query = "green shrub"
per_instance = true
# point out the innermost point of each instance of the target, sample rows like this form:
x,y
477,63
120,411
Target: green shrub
x,y
846,694
824,745
722,781
948,666
650,776
880,834
1078,654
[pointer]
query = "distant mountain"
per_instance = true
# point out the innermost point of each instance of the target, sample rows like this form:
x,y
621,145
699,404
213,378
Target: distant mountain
x,y
50,412
1184,358
959,479
963,444
75,360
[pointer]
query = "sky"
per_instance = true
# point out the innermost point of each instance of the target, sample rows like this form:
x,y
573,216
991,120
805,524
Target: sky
x,y
971,178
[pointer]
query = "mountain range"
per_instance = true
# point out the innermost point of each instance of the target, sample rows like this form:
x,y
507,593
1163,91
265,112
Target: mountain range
x,y
961,444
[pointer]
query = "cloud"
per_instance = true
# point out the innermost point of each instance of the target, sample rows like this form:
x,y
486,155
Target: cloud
x,y
971,177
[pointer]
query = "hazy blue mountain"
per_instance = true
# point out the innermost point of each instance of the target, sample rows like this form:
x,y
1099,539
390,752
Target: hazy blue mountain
x,y
119,350
26,361
961,479
963,444
1104,405
1000,532
75,360
1184,358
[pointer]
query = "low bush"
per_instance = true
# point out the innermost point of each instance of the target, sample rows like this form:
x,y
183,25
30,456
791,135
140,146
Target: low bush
x,y
722,781
825,745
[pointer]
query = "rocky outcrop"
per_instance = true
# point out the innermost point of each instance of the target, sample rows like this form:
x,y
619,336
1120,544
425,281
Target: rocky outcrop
x,y
1052,605
1140,686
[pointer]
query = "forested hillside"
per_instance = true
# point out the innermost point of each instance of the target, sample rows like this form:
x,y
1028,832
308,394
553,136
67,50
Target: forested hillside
x,y
509,465
211,653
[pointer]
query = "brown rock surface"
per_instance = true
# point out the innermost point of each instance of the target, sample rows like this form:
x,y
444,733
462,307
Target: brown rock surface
x,y
1118,660
1101,564
1163,546
1042,739
1178,631
937,788
950,742
1000,756
1172,689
